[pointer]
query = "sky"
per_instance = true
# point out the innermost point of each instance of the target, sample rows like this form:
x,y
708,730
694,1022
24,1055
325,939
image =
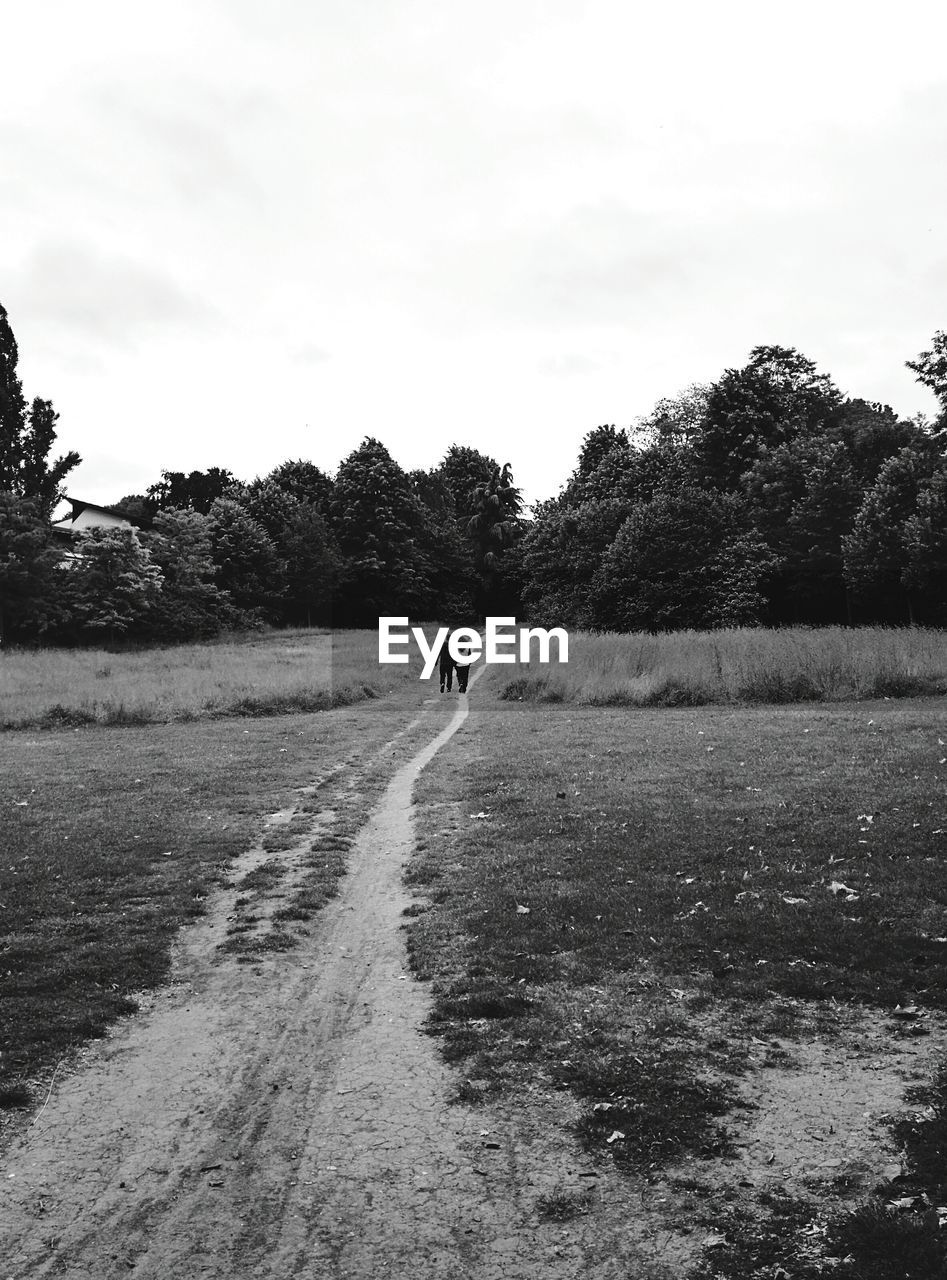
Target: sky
x,y
233,233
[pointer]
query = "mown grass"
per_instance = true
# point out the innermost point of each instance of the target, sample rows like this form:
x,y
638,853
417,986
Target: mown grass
x,y
274,674
692,668
112,840
613,902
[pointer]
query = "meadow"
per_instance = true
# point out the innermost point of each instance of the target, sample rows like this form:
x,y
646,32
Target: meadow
x,y
751,665
632,871
250,675
628,906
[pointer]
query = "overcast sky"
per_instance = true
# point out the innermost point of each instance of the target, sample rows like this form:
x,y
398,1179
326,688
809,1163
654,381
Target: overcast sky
x,y
237,232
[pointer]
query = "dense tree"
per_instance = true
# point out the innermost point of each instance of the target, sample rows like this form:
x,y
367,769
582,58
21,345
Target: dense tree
x,y
288,503
599,444
925,548
493,528
675,420
378,521
29,602
303,481
802,497
452,574
775,397
136,508
189,605
561,552
876,552
27,435
872,433
112,585
196,491
248,565
658,573
739,579
462,469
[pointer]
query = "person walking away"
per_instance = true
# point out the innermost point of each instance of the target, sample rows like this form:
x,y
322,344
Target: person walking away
x,y
445,665
464,663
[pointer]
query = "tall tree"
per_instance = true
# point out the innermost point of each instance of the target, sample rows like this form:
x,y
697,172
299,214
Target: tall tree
x,y
303,540
249,567
876,551
561,552
29,600
113,584
189,605
598,444
27,435
675,420
196,491
872,433
304,481
802,497
493,528
378,521
925,546
777,396
462,469
657,574
452,574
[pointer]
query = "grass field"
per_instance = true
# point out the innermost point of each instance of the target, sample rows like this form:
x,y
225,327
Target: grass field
x,y
692,668
272,674
615,902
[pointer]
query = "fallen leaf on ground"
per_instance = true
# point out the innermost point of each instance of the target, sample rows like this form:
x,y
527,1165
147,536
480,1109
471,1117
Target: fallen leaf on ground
x,y
907,1011
838,887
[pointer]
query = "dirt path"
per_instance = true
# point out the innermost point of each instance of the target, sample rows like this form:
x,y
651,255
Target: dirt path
x,y
288,1118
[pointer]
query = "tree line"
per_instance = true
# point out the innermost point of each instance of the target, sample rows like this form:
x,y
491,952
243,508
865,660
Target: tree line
x,y
764,498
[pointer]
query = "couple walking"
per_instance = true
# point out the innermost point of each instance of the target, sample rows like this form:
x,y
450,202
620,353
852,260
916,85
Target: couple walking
x,y
447,665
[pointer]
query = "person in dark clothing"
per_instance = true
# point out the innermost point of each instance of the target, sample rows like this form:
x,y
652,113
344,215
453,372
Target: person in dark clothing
x,y
446,667
463,667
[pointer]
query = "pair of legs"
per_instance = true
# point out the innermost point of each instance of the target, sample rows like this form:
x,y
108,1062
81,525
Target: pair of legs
x,y
447,677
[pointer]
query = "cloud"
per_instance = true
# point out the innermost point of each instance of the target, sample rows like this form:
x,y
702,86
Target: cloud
x,y
182,133
90,292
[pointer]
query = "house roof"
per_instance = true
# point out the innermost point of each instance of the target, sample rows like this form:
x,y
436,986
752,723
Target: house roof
x,y
89,515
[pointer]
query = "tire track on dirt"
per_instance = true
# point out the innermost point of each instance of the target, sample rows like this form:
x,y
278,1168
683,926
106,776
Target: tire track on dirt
x,y
288,1119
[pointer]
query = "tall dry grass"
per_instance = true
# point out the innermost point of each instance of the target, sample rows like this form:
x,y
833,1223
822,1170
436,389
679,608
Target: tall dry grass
x,y
691,668
274,673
